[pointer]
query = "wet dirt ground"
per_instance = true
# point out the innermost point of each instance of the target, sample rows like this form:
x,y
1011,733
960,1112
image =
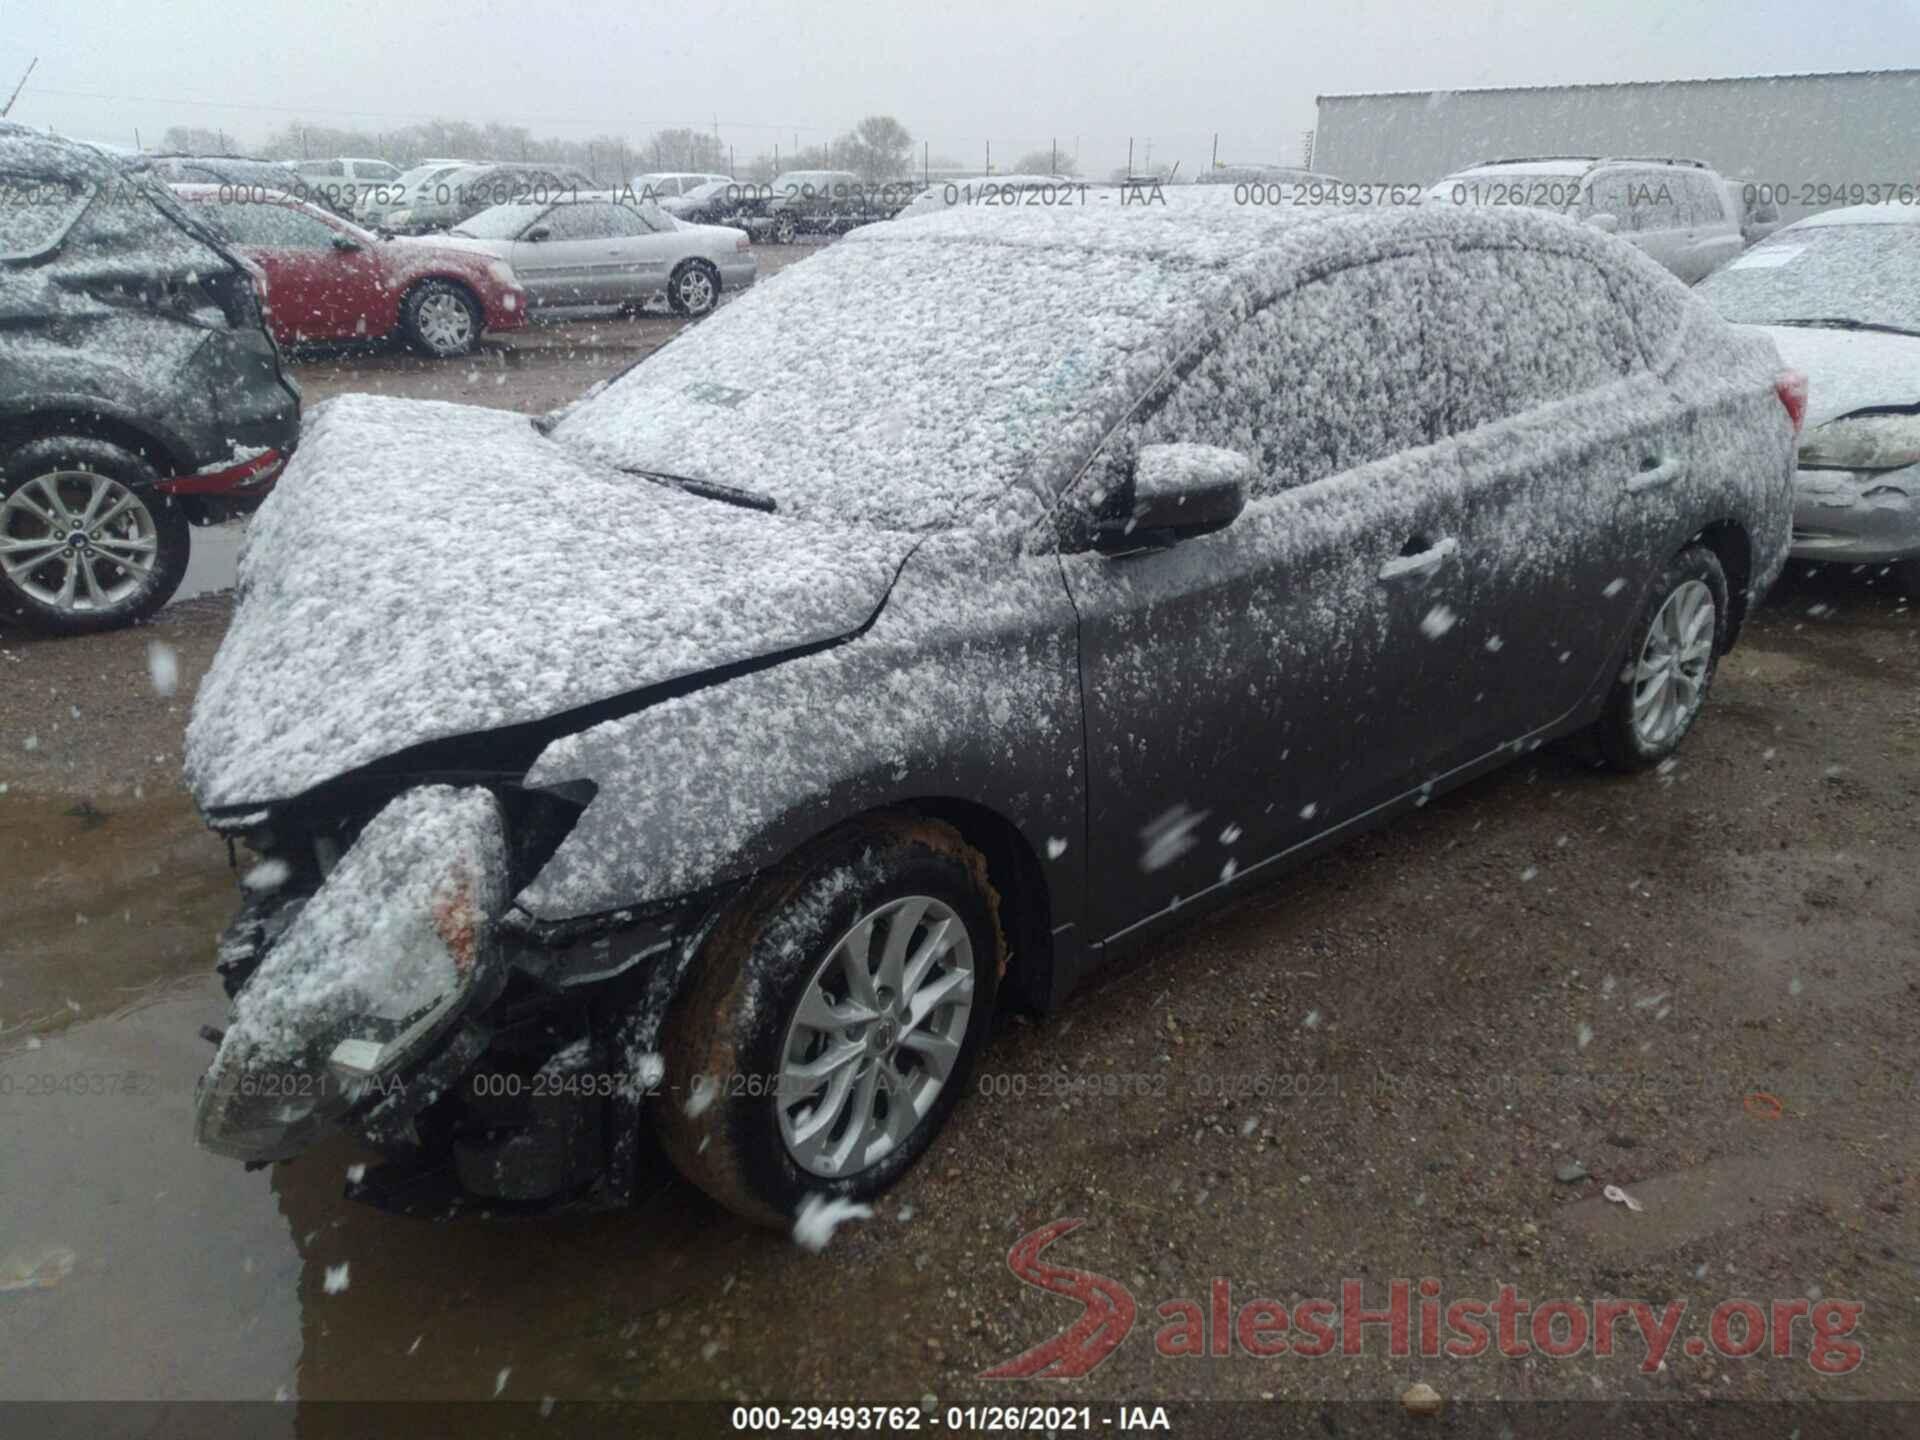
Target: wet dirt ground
x,y
1698,986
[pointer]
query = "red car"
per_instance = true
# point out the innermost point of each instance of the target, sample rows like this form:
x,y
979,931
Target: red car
x,y
329,280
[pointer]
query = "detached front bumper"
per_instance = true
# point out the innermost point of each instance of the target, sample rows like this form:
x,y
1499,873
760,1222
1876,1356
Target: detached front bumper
x,y
1859,517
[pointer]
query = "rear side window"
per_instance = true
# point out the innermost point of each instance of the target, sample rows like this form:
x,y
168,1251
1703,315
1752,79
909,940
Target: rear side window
x,y
375,170
1325,379
35,213
1512,330
1705,199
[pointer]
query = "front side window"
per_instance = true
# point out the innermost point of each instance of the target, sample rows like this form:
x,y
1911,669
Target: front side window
x,y
1703,197
269,226
1656,200
1330,377
588,220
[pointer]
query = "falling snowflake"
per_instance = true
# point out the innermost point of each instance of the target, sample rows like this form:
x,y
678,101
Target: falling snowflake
x,y
1495,644
1312,1022
1056,847
163,667
335,1282
1614,587
1437,622
1307,812
820,1216
1229,835
1584,1035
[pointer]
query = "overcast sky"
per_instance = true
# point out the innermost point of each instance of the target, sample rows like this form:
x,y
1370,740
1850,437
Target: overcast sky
x,y
1016,72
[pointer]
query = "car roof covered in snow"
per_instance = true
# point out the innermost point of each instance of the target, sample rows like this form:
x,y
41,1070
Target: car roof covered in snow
x,y
1887,212
28,152
951,369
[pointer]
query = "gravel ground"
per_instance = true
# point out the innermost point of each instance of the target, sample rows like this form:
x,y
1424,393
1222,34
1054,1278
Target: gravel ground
x,y
1421,1056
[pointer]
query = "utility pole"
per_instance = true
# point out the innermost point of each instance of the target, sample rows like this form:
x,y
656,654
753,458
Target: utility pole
x,y
989,157
1054,163
18,88
1129,157
1215,165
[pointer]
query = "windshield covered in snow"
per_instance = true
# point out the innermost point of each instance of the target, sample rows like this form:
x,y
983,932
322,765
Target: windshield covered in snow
x,y
1868,273
957,370
502,222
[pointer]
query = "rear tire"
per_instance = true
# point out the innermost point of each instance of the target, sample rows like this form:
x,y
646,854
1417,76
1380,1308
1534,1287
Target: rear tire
x,y
693,289
441,320
741,1053
785,229
132,543
1669,665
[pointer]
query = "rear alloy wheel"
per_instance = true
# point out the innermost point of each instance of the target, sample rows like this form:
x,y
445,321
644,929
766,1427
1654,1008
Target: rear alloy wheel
x,y
785,228
833,1020
441,319
1671,658
694,288
85,542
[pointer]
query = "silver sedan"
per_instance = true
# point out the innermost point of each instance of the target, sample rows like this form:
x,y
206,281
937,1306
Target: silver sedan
x,y
604,249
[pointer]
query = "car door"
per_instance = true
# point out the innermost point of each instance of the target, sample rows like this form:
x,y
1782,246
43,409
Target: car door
x,y
1250,690
654,246
1547,398
569,255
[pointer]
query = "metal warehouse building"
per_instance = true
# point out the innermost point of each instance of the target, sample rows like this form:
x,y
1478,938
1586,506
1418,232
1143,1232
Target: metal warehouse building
x,y
1801,132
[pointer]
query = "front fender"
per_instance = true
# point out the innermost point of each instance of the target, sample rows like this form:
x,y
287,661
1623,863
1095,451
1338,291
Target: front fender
x,y
966,688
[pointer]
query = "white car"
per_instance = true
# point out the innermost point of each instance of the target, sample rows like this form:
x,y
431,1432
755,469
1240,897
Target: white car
x,y
602,249
662,185
381,199
1839,294
994,190
1674,211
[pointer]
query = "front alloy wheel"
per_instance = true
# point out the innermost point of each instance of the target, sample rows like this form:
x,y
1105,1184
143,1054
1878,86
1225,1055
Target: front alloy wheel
x,y
875,1037
832,1019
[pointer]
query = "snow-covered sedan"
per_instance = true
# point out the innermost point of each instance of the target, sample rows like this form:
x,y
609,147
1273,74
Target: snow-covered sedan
x,y
1839,294
954,613
605,249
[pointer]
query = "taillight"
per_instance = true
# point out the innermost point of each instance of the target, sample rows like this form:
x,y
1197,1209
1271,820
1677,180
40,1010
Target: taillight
x,y
1791,387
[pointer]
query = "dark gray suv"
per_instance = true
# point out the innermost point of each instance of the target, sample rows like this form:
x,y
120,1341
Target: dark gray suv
x,y
806,699
139,389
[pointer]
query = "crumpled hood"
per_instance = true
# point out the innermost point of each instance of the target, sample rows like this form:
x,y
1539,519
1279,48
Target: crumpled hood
x,y
1848,370
426,570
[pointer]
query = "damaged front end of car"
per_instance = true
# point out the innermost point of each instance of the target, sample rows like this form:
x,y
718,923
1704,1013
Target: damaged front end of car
x,y
385,985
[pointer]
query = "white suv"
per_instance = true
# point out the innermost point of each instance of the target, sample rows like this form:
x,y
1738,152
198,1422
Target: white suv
x,y
1674,210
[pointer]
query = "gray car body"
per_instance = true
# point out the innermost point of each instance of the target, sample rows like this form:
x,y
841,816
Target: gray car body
x,y
1126,738
185,395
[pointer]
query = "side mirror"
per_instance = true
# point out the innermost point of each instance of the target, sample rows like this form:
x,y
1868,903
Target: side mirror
x,y
538,232
345,243
1178,492
1605,222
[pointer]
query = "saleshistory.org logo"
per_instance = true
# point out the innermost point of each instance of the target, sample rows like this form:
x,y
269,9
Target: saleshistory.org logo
x,y
1413,1320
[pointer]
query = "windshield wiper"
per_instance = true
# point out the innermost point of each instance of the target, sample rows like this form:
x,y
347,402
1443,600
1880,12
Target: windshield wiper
x,y
1844,322
707,489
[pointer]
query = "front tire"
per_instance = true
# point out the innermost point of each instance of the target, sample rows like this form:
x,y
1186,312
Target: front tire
x,y
833,1020
86,543
1671,658
441,319
693,289
785,229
